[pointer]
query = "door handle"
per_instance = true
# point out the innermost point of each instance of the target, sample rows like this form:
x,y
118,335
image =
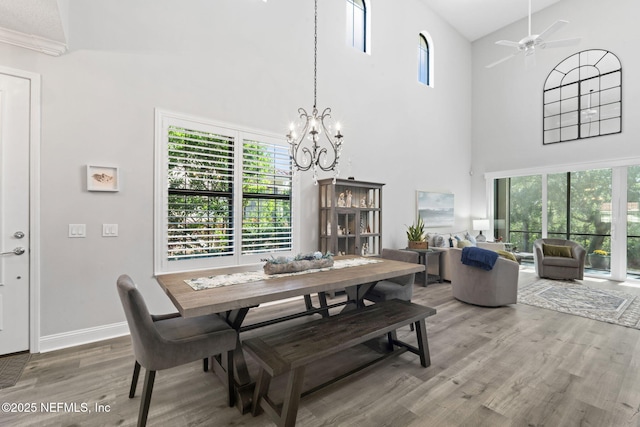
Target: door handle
x,y
16,251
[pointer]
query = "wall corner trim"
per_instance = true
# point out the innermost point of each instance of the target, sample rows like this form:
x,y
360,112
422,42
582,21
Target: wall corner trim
x,y
33,42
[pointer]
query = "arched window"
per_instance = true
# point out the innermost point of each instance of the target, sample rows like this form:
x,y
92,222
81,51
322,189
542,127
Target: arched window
x,y
357,24
583,97
423,60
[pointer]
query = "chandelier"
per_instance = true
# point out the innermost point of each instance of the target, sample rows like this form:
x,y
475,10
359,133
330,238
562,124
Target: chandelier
x,y
315,146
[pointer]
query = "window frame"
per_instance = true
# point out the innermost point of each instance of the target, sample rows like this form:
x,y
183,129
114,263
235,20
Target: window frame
x,y
350,27
429,58
572,97
163,120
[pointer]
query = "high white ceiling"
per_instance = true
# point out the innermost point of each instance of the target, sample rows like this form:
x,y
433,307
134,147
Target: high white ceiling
x,y
32,17
472,18
477,18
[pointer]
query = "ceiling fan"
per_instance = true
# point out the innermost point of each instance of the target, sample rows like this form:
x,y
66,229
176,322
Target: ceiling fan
x,y
530,43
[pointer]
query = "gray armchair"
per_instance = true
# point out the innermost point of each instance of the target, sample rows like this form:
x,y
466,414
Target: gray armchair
x,y
162,342
397,287
491,288
559,267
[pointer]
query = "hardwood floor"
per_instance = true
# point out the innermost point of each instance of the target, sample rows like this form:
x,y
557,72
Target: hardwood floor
x,y
510,366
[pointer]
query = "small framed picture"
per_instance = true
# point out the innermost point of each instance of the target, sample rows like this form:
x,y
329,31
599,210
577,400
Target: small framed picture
x,y
102,178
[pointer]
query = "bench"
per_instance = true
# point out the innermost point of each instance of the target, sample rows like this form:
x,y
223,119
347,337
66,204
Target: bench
x,y
292,349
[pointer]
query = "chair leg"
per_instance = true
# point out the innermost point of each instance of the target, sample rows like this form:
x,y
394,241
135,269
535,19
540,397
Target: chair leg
x,y
134,380
230,379
149,377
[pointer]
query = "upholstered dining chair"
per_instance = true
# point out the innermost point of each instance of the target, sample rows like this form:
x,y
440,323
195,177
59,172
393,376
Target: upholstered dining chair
x,y
559,259
167,341
397,287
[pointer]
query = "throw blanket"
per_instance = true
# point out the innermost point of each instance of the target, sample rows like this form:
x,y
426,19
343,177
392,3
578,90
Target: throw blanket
x,y
478,257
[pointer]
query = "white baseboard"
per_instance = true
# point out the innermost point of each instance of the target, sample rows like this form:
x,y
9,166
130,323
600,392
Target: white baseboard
x,y
82,336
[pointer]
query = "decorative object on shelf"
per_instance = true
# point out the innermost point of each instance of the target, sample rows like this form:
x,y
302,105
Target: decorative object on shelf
x,y
365,249
341,201
349,197
600,260
363,202
102,178
300,262
306,155
481,225
415,235
435,209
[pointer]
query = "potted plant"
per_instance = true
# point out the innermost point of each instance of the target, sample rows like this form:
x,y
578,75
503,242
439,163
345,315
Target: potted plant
x,y
600,259
416,237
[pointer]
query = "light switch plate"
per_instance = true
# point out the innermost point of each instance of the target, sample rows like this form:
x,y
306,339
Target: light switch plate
x,y
77,230
109,230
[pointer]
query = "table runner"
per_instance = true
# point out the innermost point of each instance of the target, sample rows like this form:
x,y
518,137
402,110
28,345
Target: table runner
x,y
255,276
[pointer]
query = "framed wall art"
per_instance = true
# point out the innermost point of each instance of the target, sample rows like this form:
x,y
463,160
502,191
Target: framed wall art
x,y
435,209
102,178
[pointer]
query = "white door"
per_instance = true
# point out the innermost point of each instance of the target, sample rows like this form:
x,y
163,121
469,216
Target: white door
x,y
14,213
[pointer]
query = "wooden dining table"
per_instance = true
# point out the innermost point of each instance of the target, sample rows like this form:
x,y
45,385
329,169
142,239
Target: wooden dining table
x,y
233,302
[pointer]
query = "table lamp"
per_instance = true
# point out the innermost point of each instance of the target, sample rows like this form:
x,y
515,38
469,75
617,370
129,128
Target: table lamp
x,y
481,224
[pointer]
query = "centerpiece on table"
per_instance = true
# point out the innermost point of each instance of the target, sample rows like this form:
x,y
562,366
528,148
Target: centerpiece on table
x,y
301,262
600,259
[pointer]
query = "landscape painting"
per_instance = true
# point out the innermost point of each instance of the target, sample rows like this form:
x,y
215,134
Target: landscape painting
x,y
435,209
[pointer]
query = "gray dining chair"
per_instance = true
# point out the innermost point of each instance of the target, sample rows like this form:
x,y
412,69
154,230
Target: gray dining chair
x,y
397,287
167,341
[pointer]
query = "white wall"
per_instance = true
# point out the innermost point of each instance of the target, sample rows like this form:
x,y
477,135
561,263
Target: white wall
x,y
507,99
238,61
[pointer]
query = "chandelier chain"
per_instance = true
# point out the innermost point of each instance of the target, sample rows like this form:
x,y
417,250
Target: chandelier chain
x,y
315,55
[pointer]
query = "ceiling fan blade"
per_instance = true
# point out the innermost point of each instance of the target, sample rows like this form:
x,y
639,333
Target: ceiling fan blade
x,y
552,29
500,61
508,43
560,43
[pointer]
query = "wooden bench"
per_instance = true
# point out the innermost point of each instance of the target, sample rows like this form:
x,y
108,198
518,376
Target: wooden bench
x,y
292,349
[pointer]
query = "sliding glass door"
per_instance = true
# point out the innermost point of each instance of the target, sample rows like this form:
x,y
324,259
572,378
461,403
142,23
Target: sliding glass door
x,y
633,221
525,211
569,205
579,209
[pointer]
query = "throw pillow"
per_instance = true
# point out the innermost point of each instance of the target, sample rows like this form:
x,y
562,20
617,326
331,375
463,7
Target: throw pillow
x,y
557,250
438,241
464,243
470,238
507,255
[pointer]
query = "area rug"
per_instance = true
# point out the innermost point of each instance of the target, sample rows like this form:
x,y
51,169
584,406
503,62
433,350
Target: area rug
x,y
11,368
577,298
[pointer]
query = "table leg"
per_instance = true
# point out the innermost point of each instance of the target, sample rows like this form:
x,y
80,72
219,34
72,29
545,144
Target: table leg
x,y
243,384
355,295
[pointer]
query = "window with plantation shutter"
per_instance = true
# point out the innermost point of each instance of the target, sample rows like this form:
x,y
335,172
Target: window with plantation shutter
x,y
223,195
200,194
266,198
